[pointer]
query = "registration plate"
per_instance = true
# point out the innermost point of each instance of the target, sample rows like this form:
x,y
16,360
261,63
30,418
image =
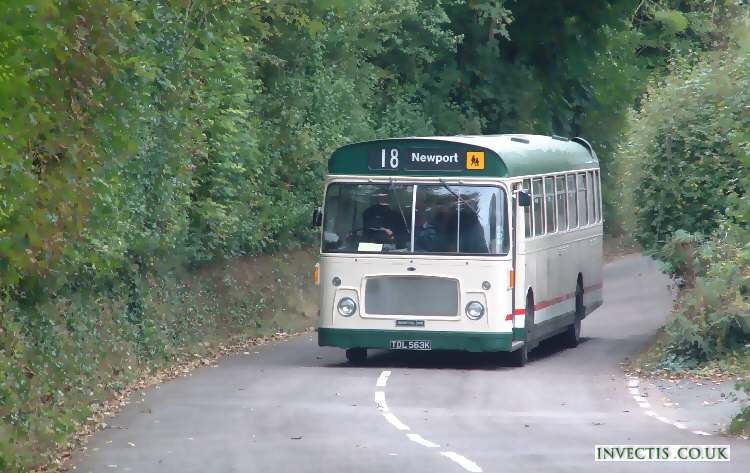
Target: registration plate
x,y
411,344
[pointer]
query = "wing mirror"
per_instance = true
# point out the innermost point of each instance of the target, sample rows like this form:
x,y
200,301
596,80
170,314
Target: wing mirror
x,y
524,199
317,217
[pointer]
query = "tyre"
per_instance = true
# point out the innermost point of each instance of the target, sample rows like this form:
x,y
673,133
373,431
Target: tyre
x,y
519,357
580,308
356,355
572,336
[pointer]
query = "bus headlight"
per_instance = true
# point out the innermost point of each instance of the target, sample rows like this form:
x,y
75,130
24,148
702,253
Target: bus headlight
x,y
474,310
347,306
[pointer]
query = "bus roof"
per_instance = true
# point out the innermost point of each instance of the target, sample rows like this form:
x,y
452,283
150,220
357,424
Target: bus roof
x,y
509,155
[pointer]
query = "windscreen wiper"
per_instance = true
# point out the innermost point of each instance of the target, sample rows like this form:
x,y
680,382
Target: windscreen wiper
x,y
460,200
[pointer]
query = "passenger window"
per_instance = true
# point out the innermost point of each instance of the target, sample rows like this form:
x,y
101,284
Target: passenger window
x,y
537,199
549,202
591,196
572,202
562,209
598,196
583,217
526,187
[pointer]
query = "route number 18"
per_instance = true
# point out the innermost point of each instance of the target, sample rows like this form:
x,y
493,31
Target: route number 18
x,y
392,162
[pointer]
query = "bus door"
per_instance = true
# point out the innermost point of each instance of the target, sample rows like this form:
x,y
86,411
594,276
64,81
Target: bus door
x,y
520,200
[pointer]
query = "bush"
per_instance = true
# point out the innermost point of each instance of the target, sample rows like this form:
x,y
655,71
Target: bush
x,y
713,315
681,162
685,168
740,424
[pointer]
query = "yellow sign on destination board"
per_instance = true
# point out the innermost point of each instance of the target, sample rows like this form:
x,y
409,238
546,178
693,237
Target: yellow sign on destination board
x,y
475,160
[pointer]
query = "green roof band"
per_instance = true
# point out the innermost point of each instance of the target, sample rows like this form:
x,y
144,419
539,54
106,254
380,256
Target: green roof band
x,y
464,156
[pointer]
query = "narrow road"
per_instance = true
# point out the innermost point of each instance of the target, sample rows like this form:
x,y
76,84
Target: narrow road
x,y
295,407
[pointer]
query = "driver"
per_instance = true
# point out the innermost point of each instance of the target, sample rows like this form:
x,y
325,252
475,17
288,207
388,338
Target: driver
x,y
382,224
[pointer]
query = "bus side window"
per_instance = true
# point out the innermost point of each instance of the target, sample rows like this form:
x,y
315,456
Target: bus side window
x,y
526,187
598,195
593,214
562,208
549,203
572,202
537,202
583,217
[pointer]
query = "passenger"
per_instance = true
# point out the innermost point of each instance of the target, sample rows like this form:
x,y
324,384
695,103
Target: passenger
x,y
435,229
472,233
426,236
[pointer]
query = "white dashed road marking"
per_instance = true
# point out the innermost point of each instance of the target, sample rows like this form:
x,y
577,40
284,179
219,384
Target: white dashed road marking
x,y
393,420
467,464
422,441
382,406
383,379
380,401
633,384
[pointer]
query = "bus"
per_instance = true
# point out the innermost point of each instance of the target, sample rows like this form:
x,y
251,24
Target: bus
x,y
471,243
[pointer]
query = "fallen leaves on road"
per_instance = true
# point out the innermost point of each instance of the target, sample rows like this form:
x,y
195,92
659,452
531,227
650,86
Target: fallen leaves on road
x,y
104,409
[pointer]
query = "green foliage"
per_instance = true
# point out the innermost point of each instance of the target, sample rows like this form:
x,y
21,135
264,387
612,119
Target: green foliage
x,y
134,132
679,255
685,175
740,424
713,316
53,367
683,158
684,29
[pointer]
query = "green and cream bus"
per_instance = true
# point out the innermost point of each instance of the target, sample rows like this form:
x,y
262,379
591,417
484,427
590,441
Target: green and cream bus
x,y
475,243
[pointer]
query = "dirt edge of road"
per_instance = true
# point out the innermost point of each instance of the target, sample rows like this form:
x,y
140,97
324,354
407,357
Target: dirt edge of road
x,y
702,382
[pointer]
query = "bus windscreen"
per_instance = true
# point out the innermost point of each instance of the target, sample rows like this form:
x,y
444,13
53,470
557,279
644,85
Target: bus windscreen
x,y
411,218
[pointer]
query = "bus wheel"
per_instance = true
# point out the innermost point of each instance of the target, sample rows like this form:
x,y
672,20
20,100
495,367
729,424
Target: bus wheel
x,y
356,355
521,356
580,308
572,335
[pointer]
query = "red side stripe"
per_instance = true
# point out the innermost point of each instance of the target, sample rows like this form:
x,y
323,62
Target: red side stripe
x,y
551,302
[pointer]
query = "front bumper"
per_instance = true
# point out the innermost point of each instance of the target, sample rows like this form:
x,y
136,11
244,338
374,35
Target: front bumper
x,y
371,338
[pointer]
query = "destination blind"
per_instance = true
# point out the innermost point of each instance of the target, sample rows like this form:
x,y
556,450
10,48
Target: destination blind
x,y
424,159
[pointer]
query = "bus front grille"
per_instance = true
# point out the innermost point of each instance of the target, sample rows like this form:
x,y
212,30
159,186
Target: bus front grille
x,y
411,295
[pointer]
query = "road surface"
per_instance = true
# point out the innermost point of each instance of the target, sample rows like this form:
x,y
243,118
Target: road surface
x,y
295,407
